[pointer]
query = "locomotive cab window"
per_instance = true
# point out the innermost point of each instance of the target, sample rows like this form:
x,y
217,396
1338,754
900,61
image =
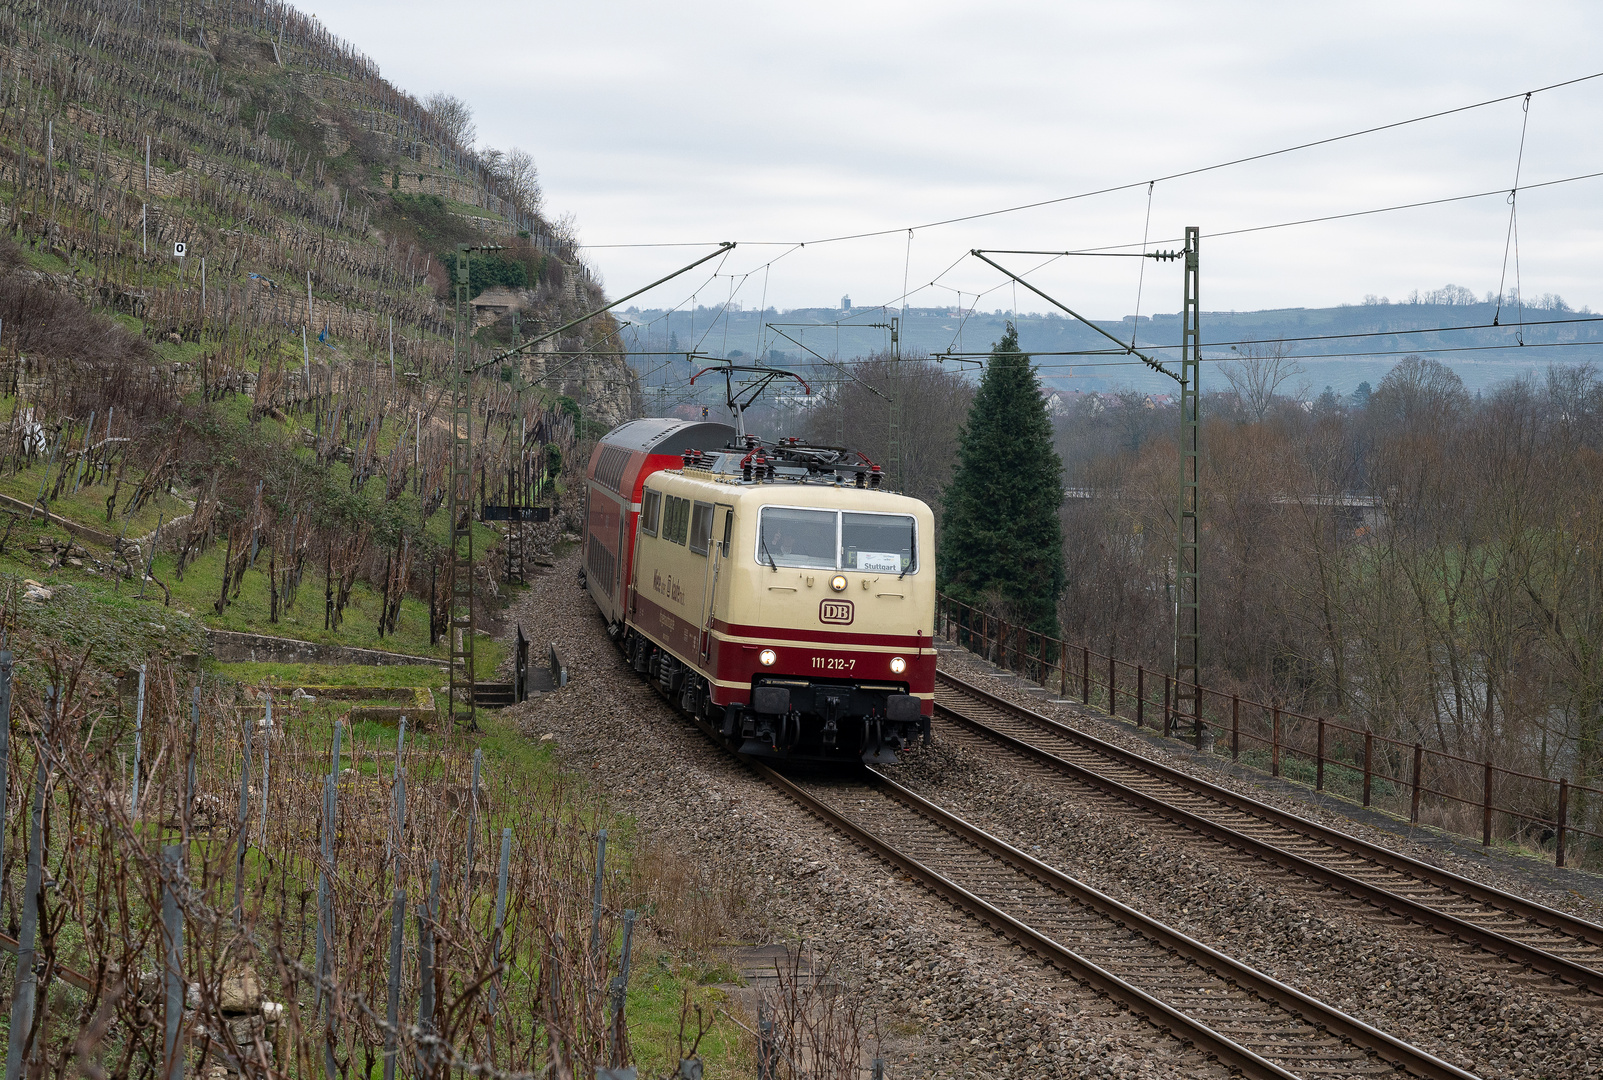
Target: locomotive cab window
x,y
788,536
650,508
883,543
700,527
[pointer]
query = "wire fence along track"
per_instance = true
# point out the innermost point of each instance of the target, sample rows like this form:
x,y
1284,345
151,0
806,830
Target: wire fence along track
x,y
1444,789
1247,1021
1525,933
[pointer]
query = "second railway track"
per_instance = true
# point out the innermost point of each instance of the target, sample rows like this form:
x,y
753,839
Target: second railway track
x,y
1525,933
1245,1020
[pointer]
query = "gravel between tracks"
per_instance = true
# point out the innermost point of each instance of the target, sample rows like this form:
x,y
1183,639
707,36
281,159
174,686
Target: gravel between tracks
x,y
1462,1006
953,999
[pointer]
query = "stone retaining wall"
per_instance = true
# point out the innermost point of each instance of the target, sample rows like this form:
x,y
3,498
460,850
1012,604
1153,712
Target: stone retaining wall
x,y
230,646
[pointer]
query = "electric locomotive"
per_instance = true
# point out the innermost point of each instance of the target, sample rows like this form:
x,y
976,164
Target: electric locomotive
x,y
776,592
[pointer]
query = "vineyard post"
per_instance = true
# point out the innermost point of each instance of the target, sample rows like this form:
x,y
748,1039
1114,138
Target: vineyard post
x,y
500,915
620,991
22,997
595,907
244,829
473,817
393,1012
425,971
172,922
139,740
5,745
194,741
324,902
267,739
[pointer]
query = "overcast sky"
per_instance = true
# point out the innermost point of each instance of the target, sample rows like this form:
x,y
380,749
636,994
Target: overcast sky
x,y
700,122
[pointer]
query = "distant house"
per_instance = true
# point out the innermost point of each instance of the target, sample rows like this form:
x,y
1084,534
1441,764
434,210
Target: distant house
x,y
495,303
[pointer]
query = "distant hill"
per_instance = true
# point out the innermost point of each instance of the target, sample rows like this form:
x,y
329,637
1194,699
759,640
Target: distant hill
x,y
1482,357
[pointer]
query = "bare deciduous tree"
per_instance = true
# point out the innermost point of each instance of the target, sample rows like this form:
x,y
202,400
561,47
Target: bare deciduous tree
x,y
522,179
1258,376
454,115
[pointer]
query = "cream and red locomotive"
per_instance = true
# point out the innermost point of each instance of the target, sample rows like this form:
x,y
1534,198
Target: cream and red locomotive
x,y
776,592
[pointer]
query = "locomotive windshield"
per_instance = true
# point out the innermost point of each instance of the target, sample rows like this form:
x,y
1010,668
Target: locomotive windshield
x,y
832,540
882,542
804,538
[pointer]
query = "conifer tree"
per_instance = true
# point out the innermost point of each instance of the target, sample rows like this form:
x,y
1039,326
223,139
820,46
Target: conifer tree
x,y
1001,539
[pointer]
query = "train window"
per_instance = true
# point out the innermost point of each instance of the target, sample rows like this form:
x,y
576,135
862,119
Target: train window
x,y
885,543
787,536
700,527
729,525
675,519
650,508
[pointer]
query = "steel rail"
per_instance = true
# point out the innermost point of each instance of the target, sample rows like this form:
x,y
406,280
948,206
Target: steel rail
x,y
1461,929
1162,1015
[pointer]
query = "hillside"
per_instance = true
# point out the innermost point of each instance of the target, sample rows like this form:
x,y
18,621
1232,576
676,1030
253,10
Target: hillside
x,y
272,406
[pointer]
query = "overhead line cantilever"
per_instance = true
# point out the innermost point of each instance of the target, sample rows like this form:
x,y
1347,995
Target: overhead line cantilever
x,y
1127,350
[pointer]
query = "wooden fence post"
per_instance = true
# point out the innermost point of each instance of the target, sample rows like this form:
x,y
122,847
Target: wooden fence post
x,y
1235,727
1419,767
1369,762
1563,817
1085,674
1486,808
1274,746
1113,683
1063,670
1140,695
1168,711
1319,758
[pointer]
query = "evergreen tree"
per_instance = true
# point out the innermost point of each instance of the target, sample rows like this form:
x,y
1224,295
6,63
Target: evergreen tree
x,y
1001,539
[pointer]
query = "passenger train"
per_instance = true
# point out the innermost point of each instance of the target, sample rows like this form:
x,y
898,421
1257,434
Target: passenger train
x,y
775,591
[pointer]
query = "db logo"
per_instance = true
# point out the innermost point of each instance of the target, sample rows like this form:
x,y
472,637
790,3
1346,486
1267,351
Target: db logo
x,y
835,611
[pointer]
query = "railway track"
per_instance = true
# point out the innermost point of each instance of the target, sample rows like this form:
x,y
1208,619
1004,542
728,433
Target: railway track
x,y
1247,1021
1522,932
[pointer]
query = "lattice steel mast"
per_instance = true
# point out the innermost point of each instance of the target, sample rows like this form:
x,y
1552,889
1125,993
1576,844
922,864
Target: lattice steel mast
x,y
1188,606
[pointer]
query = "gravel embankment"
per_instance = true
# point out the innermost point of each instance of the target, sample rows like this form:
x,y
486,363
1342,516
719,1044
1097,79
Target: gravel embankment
x,y
953,1000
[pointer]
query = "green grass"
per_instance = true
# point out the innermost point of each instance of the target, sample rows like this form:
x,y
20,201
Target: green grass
x,y
656,998
87,506
248,613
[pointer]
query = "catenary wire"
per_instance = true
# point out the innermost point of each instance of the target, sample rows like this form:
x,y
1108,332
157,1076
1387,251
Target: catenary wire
x,y
1184,173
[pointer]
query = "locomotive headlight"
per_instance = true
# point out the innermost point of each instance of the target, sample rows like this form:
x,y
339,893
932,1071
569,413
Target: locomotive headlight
x,y
898,665
767,657
838,583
